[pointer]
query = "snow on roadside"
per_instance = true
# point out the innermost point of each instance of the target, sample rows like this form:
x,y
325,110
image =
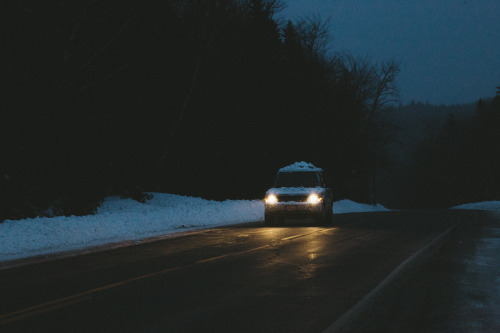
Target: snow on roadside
x,y
348,206
120,219
485,205
478,296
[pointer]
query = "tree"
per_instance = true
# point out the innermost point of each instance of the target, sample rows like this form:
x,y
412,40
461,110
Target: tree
x,y
180,96
373,89
314,36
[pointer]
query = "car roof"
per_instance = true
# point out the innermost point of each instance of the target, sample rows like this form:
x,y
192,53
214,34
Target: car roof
x,y
299,167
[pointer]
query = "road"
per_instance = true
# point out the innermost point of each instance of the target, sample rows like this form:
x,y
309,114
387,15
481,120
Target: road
x,y
246,278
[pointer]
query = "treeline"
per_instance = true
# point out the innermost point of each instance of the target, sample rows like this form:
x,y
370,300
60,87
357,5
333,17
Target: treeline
x,y
445,155
196,97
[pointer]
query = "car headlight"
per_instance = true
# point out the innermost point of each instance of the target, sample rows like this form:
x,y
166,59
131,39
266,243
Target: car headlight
x,y
271,198
314,199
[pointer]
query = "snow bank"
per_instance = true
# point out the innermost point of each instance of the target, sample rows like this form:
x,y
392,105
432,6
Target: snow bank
x,y
120,219
485,205
478,286
348,206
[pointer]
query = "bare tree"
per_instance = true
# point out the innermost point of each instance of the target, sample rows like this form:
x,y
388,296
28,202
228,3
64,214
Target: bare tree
x,y
374,86
375,89
314,35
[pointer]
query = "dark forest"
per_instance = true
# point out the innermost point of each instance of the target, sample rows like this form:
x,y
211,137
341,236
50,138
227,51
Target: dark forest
x,y
209,98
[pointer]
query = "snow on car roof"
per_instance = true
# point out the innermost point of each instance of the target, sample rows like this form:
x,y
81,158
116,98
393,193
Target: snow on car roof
x,y
300,166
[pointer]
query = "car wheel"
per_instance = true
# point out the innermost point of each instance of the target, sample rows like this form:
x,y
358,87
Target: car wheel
x,y
272,220
329,216
321,219
269,220
279,221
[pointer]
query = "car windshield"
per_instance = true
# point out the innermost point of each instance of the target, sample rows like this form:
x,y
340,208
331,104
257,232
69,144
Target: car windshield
x,y
297,179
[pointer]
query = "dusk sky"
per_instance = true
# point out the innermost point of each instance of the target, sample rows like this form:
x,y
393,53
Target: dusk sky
x,y
449,50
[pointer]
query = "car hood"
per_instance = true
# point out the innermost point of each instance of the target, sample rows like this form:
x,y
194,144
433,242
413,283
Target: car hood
x,y
295,190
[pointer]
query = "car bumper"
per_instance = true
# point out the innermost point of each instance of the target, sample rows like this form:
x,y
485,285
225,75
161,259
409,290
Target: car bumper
x,y
294,210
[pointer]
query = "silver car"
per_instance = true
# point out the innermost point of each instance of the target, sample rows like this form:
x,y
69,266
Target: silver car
x,y
299,191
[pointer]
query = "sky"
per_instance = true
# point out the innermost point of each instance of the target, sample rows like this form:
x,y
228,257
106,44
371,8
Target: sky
x,y
448,50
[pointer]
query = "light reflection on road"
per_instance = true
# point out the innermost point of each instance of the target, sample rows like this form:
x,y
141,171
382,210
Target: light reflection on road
x,y
311,248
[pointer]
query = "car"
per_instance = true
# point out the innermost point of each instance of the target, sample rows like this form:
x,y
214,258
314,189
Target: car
x,y
299,191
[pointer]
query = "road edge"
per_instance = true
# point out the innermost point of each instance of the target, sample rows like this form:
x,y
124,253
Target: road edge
x,y
343,323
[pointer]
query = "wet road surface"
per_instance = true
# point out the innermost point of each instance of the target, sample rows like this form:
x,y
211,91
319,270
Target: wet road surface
x,y
248,278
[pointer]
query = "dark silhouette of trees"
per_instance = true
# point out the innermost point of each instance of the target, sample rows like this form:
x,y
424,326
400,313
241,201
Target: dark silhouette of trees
x,y
440,180
451,158
484,150
196,97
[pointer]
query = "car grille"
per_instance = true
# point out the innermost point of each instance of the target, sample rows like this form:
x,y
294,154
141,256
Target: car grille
x,y
295,198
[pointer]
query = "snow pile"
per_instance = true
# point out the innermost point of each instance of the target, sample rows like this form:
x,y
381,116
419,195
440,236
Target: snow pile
x,y
120,219
300,166
485,205
348,206
478,294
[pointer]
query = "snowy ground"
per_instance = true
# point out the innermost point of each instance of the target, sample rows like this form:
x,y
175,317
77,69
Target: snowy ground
x,y
478,305
485,205
478,302
119,220
348,206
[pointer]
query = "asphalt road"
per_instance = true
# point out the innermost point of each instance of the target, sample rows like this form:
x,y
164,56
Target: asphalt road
x,y
247,278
